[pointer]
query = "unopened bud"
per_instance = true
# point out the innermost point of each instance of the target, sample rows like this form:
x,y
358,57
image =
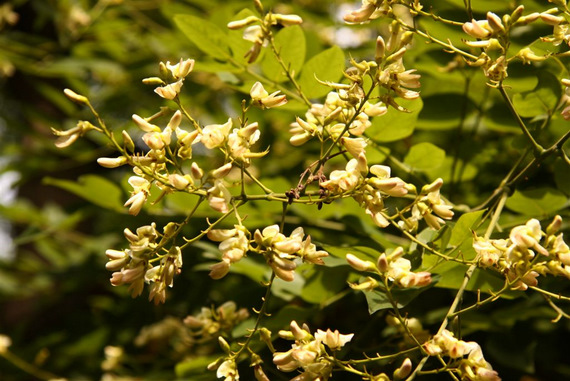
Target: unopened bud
x,y
380,50
551,19
175,120
358,264
222,171
144,125
238,24
382,263
128,142
517,13
396,56
265,335
79,99
495,22
215,364
258,6
224,344
404,370
153,81
368,285
112,162
554,226
435,186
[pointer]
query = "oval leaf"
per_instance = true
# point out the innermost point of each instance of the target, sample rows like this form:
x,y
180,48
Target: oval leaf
x,y
425,156
326,66
207,36
291,45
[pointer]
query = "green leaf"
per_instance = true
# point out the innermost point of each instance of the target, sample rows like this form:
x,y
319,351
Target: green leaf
x,y
424,156
362,252
542,100
561,176
463,227
326,66
539,202
443,111
378,300
463,171
207,36
195,367
93,188
324,284
396,125
291,45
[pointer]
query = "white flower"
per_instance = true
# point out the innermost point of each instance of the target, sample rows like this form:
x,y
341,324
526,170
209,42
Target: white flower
x,y
169,91
228,371
215,135
219,197
333,339
181,69
263,99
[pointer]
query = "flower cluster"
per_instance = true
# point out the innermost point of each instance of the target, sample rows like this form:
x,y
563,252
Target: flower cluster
x,y
561,29
175,75
472,367
393,267
280,251
258,30
370,10
309,352
516,257
492,34
209,322
132,266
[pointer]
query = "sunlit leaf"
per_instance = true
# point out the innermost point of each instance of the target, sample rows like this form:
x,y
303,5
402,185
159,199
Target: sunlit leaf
x,y
207,36
291,46
396,125
326,66
424,156
538,202
93,188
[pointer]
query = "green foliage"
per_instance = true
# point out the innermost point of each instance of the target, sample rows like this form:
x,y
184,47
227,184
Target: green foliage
x,y
496,139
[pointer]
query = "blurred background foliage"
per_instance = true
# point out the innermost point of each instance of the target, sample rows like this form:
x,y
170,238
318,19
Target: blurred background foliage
x,y
60,211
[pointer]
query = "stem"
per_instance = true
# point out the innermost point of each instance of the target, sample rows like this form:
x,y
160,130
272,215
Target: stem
x,y
27,367
538,149
260,315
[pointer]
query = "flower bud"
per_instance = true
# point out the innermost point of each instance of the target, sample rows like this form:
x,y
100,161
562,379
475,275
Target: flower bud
x,y
79,99
288,20
222,171
404,370
178,181
224,344
196,171
435,186
551,19
517,13
144,125
265,335
112,162
368,285
153,81
128,142
495,23
358,264
380,50
554,226
238,24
